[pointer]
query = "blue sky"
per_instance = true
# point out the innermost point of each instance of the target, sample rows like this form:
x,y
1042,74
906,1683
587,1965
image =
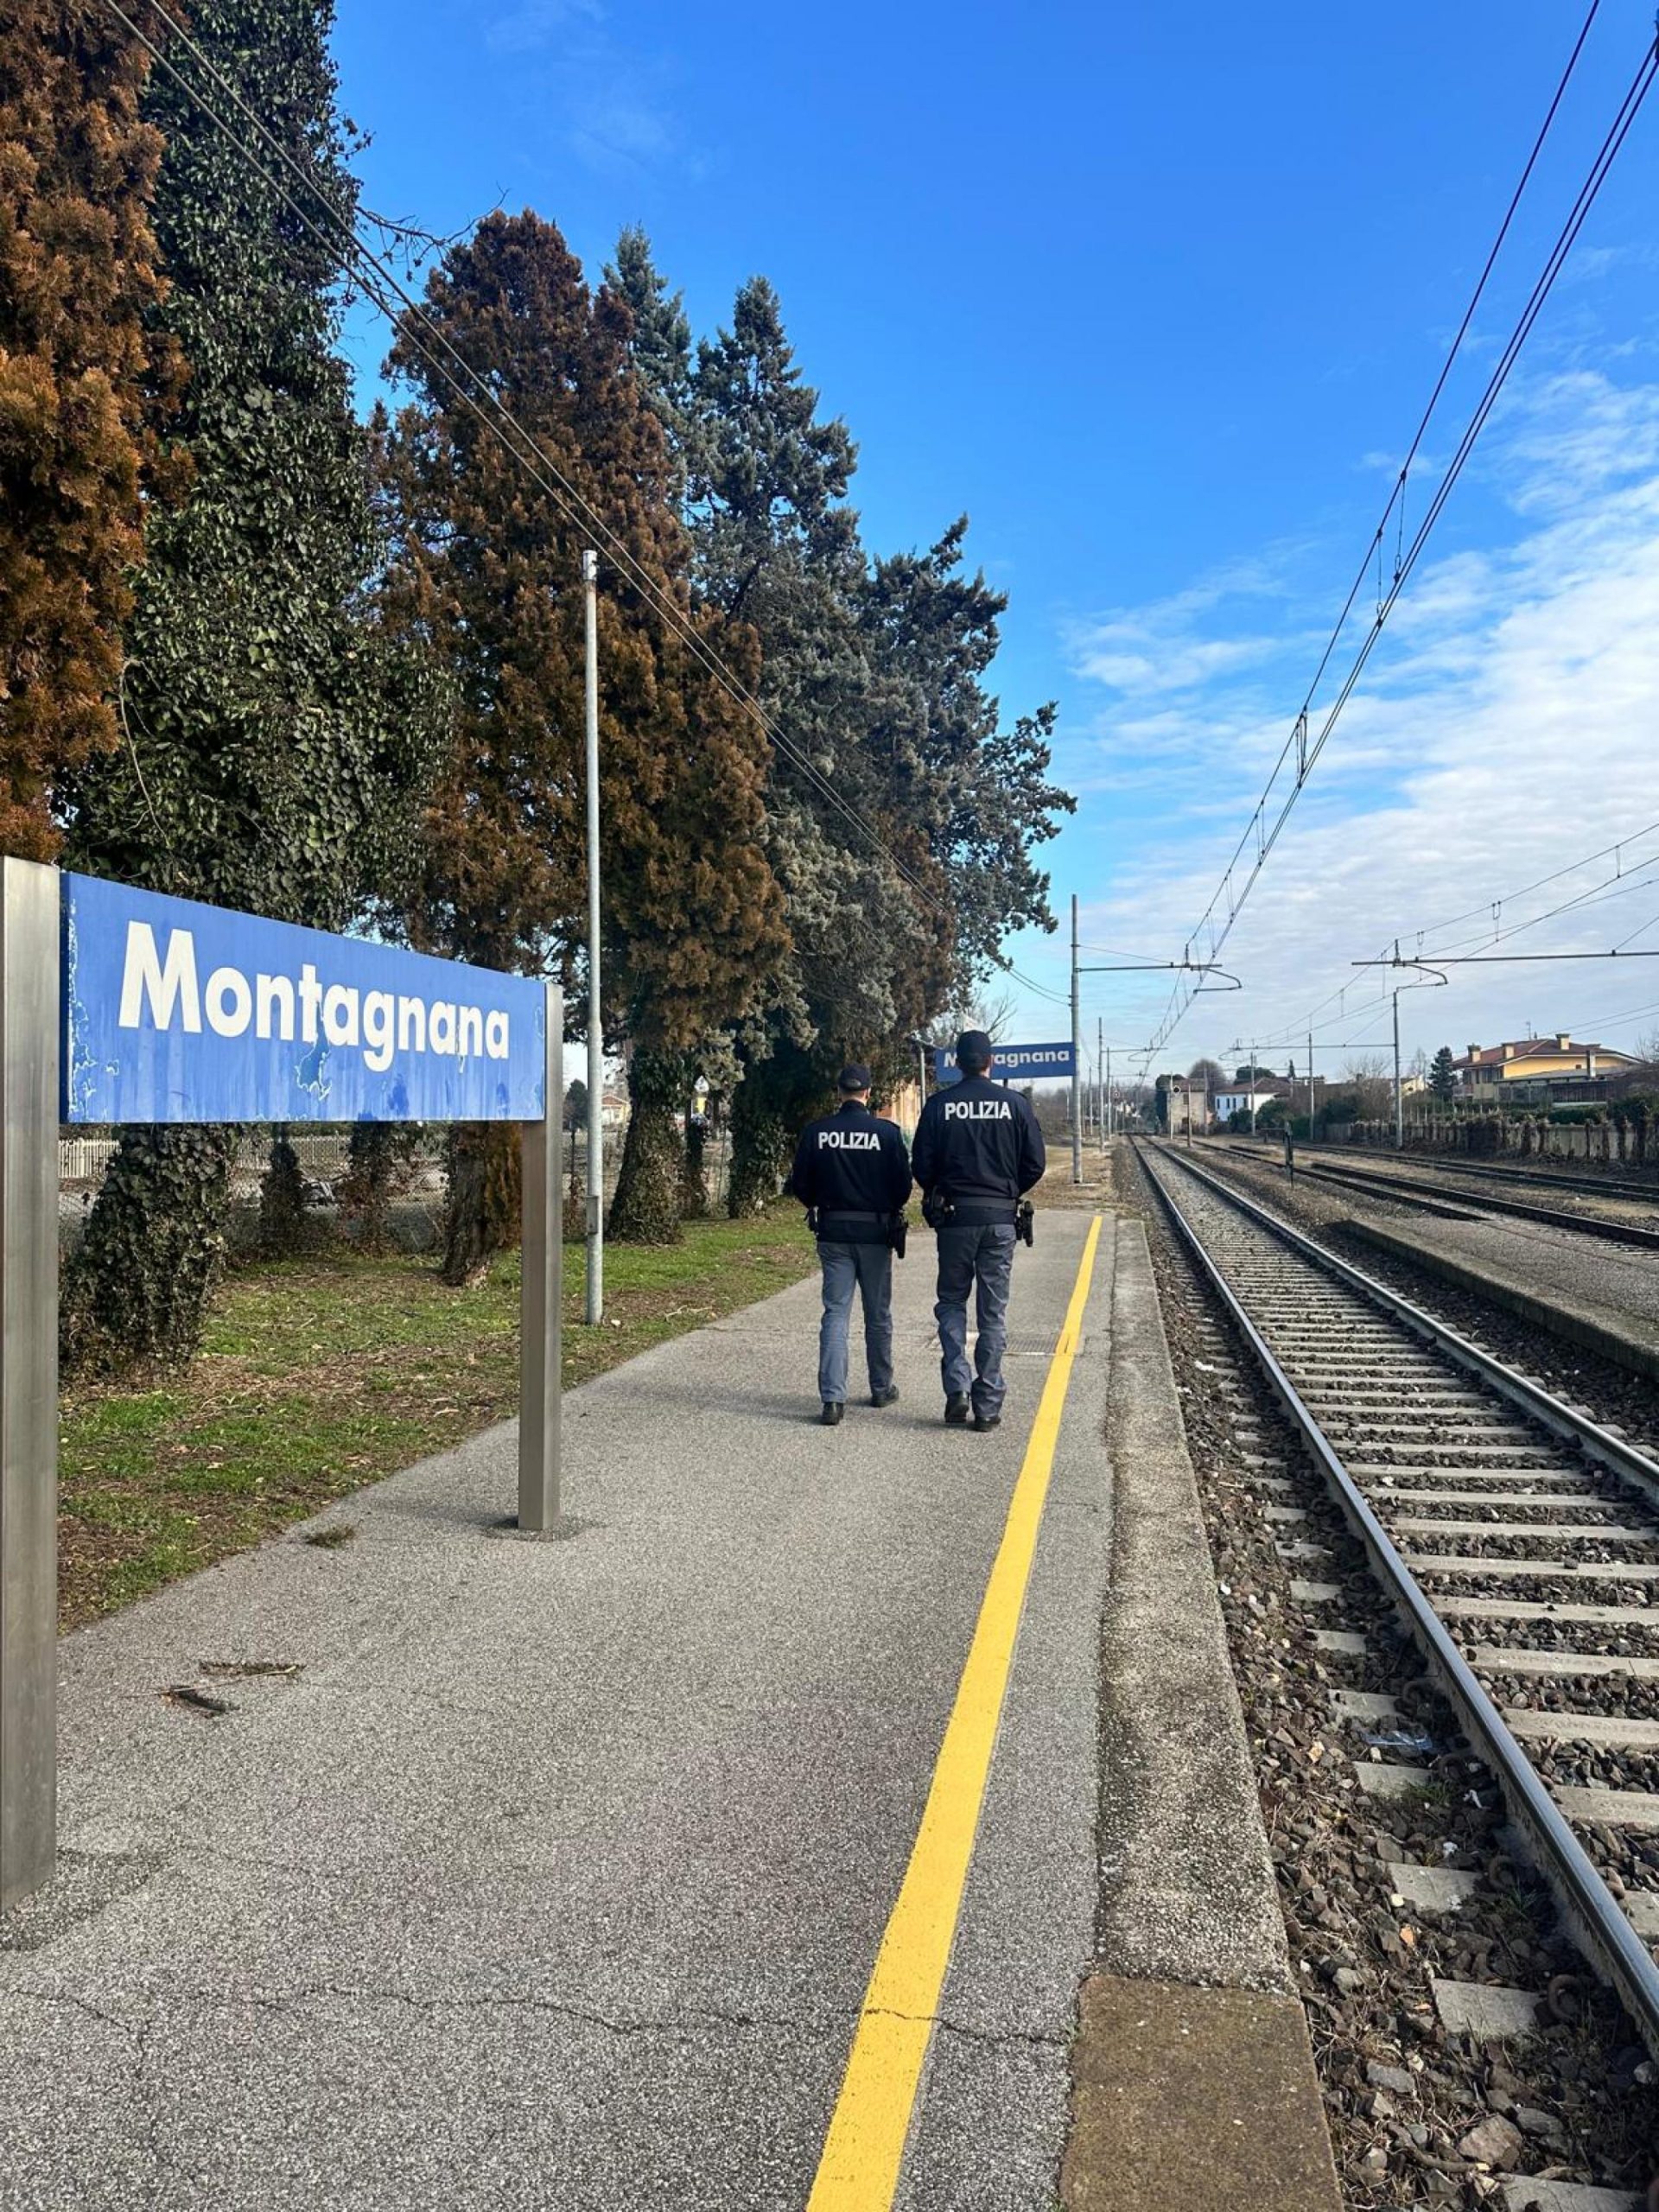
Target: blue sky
x,y
1156,295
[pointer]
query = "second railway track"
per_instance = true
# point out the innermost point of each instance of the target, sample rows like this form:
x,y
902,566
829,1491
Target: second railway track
x,y
1517,1537
1442,1191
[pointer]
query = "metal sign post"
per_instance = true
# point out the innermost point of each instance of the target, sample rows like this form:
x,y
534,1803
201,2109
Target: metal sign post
x,y
541,1296
119,1005
1076,1094
28,1376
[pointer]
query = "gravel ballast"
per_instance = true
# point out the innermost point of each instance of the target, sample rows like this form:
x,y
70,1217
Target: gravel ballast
x,y
1420,2114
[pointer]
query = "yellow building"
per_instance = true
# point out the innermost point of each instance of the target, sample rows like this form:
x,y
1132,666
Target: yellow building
x,y
1487,1071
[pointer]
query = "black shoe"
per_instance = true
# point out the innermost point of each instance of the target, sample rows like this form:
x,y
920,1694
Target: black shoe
x,y
831,1415
956,1409
983,1423
887,1397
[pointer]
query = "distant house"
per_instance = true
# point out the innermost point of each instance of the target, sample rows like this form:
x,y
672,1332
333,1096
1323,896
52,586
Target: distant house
x,y
1247,1098
1531,1068
1189,1105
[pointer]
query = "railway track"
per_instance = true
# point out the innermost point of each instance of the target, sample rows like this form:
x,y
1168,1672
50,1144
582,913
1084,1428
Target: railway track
x,y
1589,1182
1445,1195
1517,1539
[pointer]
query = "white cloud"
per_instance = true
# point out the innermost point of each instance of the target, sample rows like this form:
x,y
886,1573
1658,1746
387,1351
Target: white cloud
x,y
609,100
1508,724
1171,646
532,25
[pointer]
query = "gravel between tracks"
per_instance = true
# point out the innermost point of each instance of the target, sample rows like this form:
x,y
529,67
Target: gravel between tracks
x,y
1414,2108
1615,1397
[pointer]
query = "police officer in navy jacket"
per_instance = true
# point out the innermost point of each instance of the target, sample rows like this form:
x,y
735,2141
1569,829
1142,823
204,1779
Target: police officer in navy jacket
x,y
978,1150
852,1170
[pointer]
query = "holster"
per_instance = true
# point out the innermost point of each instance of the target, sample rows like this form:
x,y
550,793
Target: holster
x,y
1025,1222
812,1221
898,1232
938,1207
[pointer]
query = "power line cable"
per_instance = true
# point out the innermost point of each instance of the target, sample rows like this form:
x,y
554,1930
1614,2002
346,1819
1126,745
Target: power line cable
x,y
476,396
1614,885
1307,754
1397,494
1510,898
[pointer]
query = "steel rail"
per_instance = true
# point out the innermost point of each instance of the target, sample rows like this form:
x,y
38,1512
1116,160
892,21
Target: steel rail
x,y
1377,1179
1593,1183
1602,1445
1587,1905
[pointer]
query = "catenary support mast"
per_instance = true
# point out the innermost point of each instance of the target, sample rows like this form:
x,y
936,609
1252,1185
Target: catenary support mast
x,y
1076,1060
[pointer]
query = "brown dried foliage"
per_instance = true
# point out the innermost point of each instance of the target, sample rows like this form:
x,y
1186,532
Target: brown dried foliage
x,y
489,568
80,382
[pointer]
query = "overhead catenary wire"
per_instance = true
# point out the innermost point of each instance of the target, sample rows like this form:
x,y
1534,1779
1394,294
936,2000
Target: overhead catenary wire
x,y
1211,929
378,280
1543,882
1625,878
1594,895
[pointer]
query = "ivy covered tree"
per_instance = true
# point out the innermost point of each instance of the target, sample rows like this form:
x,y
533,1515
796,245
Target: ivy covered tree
x,y
279,734
85,371
489,566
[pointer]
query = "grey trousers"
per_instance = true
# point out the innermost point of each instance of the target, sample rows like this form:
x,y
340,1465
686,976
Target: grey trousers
x,y
869,1267
980,1260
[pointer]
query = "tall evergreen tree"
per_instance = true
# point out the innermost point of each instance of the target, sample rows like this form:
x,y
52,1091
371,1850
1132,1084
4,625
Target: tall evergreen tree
x,y
777,545
489,566
659,346
873,675
976,793
1442,1076
281,736
82,378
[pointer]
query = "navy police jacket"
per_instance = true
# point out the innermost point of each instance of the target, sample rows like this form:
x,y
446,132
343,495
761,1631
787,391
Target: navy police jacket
x,y
978,1142
849,1164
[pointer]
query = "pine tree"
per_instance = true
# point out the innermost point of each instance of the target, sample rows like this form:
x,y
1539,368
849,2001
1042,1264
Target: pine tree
x,y
1442,1076
872,676
777,545
279,735
83,379
659,346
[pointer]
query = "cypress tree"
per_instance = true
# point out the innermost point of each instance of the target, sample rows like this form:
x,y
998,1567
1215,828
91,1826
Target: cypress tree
x,y
280,734
489,566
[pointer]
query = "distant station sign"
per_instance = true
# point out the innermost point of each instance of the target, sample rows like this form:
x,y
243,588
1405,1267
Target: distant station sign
x,y
1014,1064
177,1012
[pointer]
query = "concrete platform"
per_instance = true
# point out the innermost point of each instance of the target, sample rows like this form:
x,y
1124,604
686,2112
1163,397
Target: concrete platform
x,y
1605,1297
555,1874
1193,2078
1189,2097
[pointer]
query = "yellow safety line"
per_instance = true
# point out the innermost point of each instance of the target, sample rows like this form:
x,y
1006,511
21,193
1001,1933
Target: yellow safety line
x,y
865,2147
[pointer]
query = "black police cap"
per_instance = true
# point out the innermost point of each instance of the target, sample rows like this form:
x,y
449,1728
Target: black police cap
x,y
974,1049
854,1079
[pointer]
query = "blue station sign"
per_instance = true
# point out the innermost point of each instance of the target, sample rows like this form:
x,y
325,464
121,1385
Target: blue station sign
x,y
1014,1064
177,1012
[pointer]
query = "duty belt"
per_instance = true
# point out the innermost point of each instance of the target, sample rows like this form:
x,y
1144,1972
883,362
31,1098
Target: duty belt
x,y
841,1213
